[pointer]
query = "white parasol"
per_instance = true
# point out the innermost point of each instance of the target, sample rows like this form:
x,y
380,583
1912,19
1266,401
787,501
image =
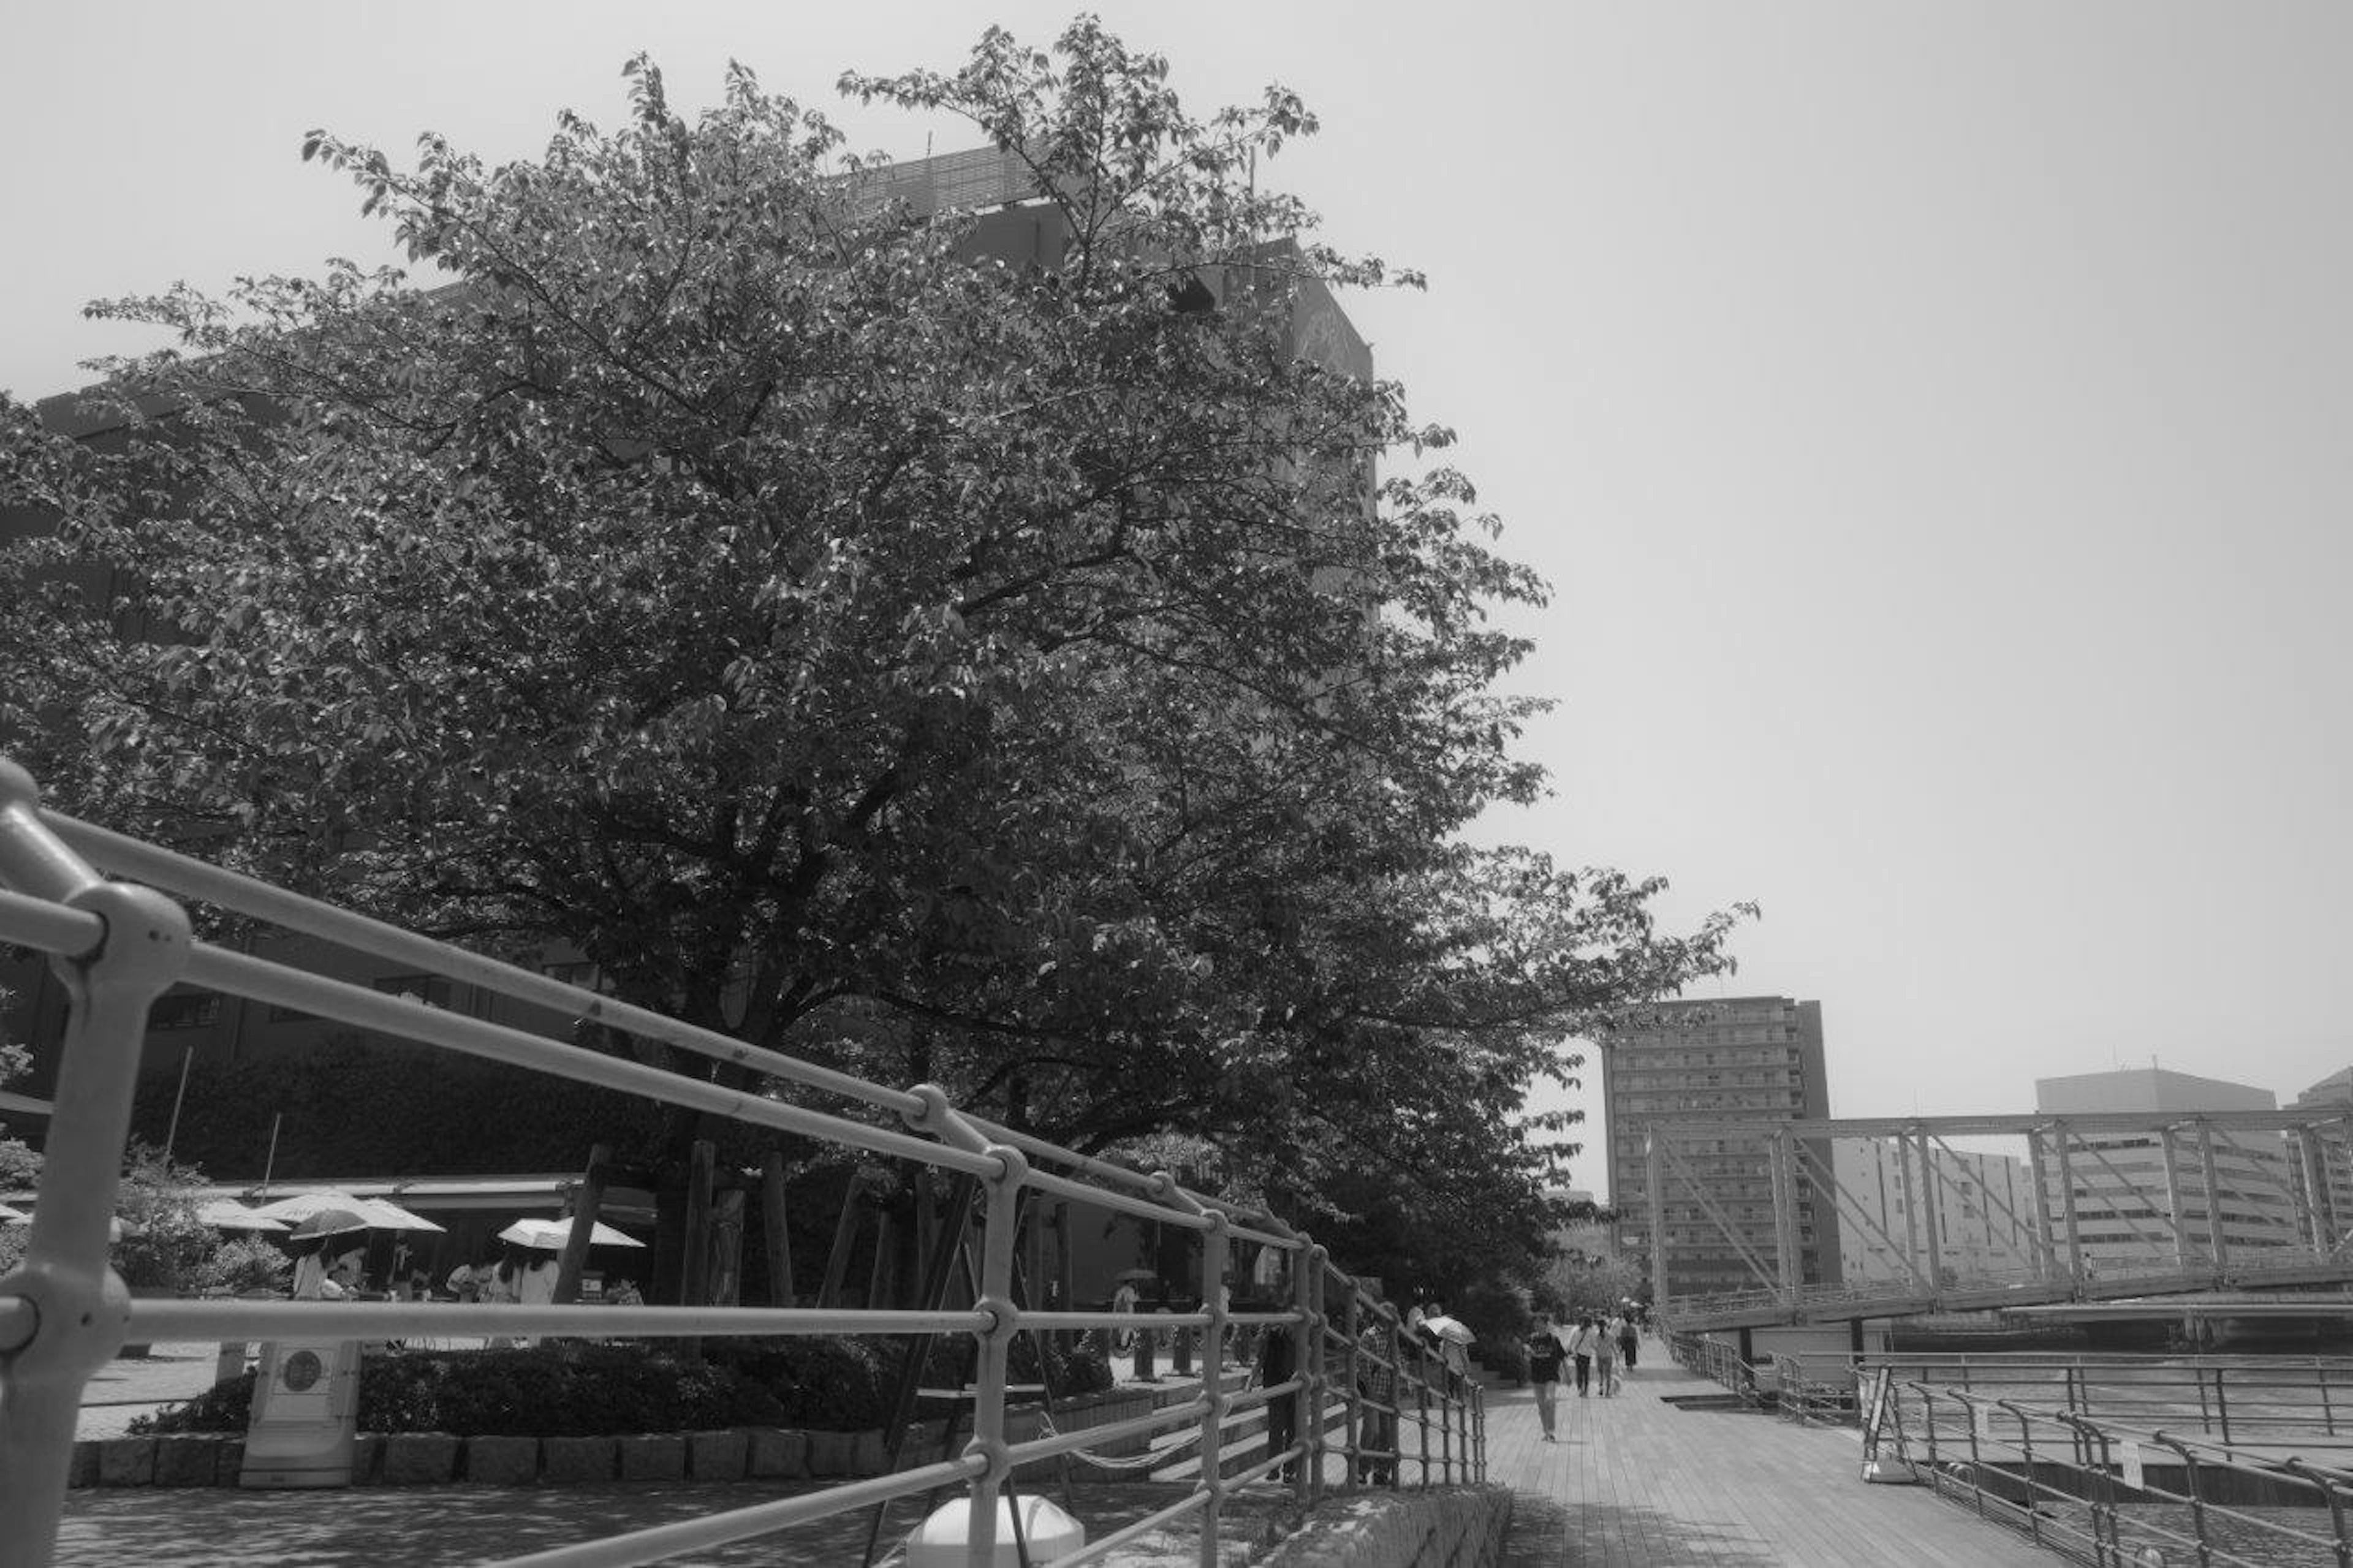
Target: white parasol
x,y
379,1214
227,1214
552,1233
1449,1328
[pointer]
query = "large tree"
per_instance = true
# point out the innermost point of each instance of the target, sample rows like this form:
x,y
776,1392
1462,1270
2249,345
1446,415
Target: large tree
x,y
1014,676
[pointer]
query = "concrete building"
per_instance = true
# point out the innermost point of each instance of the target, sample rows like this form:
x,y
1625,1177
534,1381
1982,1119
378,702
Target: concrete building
x,y
1750,1059
2125,1219
1984,1222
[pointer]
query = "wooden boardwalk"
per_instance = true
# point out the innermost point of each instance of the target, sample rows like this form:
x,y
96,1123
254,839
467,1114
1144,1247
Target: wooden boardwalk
x,y
1634,1482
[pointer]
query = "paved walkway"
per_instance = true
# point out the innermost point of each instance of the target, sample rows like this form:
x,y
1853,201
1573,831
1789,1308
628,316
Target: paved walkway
x,y
141,1385
1635,1482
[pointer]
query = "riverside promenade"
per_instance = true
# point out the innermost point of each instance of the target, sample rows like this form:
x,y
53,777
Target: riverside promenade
x,y
1635,1482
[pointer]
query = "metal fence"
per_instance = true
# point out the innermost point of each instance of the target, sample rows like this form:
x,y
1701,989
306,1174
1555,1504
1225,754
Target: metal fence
x,y
2108,1492
119,945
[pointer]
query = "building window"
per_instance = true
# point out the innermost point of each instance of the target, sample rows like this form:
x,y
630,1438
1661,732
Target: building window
x,y
184,1010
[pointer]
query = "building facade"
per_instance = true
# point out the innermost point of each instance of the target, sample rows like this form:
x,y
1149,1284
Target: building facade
x,y
1750,1059
2125,1210
1983,1215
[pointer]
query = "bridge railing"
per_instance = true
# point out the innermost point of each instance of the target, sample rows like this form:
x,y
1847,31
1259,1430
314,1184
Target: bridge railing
x,y
2106,1492
117,945
2264,1401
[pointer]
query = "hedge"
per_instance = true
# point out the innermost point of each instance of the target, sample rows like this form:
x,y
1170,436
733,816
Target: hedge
x,y
569,1388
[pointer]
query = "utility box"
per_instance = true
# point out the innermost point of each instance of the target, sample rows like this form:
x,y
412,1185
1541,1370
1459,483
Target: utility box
x,y
306,1400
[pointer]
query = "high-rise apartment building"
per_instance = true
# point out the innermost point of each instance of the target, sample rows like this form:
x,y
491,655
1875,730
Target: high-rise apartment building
x,y
2123,1220
1746,1059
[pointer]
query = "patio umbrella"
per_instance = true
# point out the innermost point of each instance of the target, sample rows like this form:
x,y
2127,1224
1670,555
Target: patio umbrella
x,y
379,1215
331,1222
1448,1328
1135,1276
227,1214
115,1230
552,1233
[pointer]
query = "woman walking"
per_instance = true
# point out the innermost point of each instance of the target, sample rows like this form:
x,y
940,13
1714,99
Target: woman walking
x,y
1545,1351
1605,1359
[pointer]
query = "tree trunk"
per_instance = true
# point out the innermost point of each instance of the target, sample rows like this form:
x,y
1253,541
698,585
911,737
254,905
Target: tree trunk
x,y
774,1230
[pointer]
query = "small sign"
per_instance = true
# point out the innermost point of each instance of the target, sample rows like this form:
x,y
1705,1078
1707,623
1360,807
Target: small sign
x,y
2129,1458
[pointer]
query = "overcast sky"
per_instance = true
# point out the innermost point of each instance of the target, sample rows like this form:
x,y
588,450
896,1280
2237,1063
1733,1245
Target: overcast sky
x,y
1934,421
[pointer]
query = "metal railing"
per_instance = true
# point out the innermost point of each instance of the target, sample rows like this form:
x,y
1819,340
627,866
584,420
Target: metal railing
x,y
2109,1492
1719,1362
117,946
2260,1401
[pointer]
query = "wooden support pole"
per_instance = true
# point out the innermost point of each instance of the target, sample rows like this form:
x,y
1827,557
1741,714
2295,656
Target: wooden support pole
x,y
845,1237
586,1204
774,1230
694,1280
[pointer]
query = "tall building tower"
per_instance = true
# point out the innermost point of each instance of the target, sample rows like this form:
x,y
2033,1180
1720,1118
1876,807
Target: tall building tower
x,y
2121,1216
1746,1059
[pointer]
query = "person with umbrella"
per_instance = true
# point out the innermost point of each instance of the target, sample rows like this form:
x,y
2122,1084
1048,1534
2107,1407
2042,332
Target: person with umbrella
x,y
324,1247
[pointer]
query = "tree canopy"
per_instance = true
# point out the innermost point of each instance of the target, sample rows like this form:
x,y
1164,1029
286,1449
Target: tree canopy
x,y
1024,677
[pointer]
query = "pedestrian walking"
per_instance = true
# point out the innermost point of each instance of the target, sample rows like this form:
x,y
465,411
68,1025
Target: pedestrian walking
x,y
1544,1355
1629,1341
1580,1352
1605,1360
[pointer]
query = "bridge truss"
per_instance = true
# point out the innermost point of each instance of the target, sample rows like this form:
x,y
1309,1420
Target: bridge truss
x,y
1751,1222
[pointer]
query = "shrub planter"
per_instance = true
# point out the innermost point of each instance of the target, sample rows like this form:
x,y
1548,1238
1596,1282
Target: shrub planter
x,y
83,1470
502,1461
831,1453
419,1458
775,1453
717,1456
196,1460
126,1462
657,1457
577,1459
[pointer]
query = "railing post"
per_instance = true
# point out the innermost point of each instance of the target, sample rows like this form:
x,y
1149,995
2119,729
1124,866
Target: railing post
x,y
1394,1469
1352,1325
1313,1261
80,1308
2339,1539
1422,1405
1215,1405
999,1228
2197,1493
